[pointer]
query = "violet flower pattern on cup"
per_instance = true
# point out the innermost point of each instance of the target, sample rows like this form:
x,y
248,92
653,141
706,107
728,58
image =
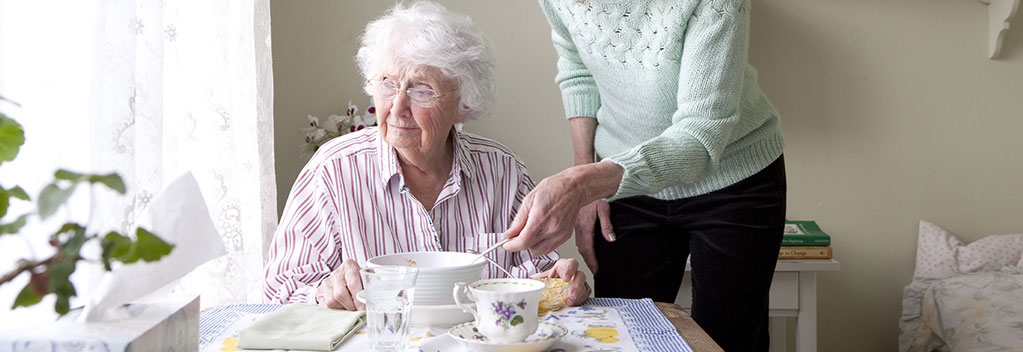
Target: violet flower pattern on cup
x,y
507,316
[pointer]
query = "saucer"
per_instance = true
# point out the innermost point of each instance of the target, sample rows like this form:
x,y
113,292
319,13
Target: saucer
x,y
545,336
441,316
436,316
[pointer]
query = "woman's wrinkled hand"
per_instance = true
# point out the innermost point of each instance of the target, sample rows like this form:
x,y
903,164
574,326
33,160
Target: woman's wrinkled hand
x,y
568,270
546,217
550,211
338,290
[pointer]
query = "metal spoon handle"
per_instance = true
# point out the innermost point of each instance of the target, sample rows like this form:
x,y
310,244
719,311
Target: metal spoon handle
x,y
491,249
499,267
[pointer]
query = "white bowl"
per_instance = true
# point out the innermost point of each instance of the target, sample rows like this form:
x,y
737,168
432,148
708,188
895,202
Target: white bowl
x,y
438,273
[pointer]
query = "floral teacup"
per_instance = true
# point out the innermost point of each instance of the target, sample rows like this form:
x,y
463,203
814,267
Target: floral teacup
x,y
505,309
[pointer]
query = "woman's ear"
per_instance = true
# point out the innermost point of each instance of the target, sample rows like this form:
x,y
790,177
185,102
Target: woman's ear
x,y
463,114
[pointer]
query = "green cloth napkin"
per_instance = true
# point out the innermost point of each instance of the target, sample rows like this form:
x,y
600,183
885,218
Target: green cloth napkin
x,y
301,327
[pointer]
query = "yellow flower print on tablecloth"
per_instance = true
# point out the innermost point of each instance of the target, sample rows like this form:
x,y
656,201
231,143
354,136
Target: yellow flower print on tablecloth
x,y
603,334
420,338
230,344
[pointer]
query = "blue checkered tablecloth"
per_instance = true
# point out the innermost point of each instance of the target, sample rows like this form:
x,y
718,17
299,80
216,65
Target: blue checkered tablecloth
x,y
645,327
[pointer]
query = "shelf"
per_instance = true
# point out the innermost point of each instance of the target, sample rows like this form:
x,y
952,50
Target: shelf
x,y
999,14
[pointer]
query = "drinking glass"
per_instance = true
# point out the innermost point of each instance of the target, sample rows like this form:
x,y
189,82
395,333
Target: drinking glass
x,y
388,294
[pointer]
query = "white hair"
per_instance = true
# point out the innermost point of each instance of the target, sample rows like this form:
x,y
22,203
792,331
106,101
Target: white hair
x,y
425,33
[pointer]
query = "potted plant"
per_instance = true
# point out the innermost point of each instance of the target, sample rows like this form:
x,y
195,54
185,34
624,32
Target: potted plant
x,y
51,275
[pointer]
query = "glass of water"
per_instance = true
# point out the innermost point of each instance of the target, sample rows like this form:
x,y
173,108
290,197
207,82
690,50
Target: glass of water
x,y
388,293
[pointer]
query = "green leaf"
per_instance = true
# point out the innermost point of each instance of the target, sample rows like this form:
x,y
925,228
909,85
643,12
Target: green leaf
x,y
115,246
63,266
517,320
60,284
63,304
112,181
51,198
27,297
69,175
5,201
14,227
12,136
149,247
5,198
69,227
19,193
73,246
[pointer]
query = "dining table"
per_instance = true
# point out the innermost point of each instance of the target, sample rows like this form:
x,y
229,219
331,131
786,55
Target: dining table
x,y
601,324
687,327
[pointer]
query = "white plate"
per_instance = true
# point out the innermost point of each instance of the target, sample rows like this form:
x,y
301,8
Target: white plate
x,y
440,316
443,317
545,336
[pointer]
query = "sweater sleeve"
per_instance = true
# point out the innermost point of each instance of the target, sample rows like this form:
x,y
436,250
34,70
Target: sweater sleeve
x,y
710,84
578,89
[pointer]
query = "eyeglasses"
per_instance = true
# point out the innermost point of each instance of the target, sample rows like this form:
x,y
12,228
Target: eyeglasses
x,y
418,96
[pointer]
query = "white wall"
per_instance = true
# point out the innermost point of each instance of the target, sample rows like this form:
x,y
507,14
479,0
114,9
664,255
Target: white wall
x,y
891,112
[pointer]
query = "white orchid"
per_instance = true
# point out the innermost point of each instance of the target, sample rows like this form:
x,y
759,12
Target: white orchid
x,y
335,125
367,119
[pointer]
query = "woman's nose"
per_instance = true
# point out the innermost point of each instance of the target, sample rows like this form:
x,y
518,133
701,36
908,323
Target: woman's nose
x,y
400,103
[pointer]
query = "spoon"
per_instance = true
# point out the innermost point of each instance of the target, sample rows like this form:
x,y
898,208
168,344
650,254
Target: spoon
x,y
491,249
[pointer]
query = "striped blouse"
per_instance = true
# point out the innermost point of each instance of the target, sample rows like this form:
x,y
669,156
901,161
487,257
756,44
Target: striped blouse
x,y
350,202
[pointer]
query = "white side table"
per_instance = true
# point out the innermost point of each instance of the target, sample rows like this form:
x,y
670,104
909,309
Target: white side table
x,y
793,294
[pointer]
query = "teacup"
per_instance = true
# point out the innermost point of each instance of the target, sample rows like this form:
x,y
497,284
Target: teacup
x,y
504,309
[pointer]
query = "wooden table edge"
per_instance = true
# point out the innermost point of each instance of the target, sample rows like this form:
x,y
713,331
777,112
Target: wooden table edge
x,y
690,331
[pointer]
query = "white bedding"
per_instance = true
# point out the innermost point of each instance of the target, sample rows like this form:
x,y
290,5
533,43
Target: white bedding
x,y
964,297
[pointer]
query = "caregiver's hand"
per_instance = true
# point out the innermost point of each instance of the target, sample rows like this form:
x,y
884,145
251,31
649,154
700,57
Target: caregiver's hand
x,y
338,290
588,216
546,217
549,211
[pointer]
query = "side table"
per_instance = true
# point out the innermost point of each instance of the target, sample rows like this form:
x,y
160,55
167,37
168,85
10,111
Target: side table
x,y
793,294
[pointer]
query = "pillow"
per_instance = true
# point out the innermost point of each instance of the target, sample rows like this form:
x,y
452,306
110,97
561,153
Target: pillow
x,y
940,254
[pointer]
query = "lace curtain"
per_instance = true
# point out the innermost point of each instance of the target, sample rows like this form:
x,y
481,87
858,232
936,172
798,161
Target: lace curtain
x,y
170,87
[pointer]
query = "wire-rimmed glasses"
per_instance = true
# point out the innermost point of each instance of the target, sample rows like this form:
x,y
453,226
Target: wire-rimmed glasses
x,y
418,96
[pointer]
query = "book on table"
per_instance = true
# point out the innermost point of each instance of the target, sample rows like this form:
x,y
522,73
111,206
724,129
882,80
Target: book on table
x,y
804,233
805,252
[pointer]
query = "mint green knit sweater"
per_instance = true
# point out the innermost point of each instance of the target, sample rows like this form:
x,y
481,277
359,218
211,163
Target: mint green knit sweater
x,y
677,104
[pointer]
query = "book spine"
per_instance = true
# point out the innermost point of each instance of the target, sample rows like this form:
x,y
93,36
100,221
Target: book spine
x,y
805,252
804,233
804,240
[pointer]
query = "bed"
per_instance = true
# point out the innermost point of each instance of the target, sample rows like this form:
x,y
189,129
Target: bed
x,y
963,297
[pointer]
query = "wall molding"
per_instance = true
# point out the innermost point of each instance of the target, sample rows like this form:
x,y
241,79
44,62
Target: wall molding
x,y
999,14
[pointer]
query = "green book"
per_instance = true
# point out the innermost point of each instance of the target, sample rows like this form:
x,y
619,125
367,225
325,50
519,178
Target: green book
x,y
804,233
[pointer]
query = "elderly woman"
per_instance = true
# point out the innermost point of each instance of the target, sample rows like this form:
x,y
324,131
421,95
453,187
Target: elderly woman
x,y
416,183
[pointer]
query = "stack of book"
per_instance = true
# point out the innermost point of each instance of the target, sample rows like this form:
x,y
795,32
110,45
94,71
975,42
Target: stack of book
x,y
803,239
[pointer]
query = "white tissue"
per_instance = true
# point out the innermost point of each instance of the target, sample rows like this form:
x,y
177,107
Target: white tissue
x,y
178,216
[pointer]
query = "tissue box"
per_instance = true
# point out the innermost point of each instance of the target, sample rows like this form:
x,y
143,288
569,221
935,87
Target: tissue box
x,y
166,323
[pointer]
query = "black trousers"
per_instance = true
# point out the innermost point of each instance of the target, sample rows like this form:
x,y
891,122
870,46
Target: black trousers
x,y
732,235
